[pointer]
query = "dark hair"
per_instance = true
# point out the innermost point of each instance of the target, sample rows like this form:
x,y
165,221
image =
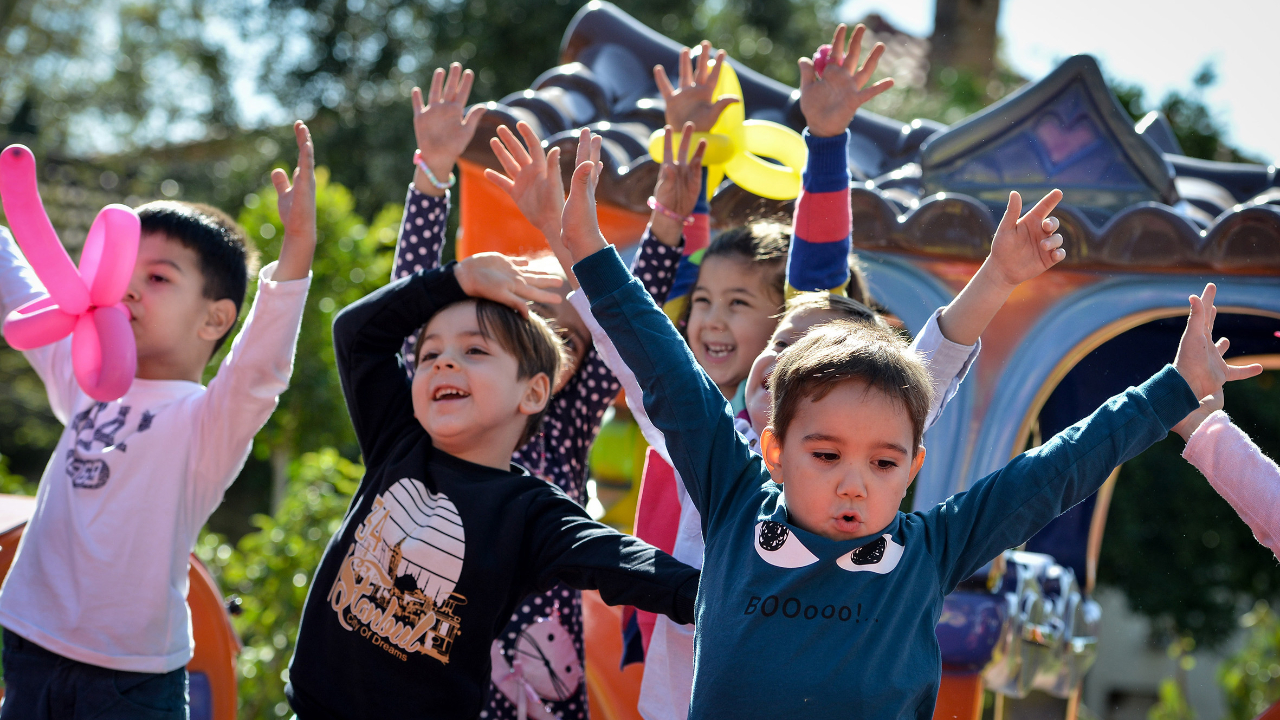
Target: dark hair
x,y
848,307
764,242
220,244
857,288
844,350
534,344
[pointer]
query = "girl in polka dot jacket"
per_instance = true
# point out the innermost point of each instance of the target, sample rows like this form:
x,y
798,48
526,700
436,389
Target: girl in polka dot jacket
x,y
525,686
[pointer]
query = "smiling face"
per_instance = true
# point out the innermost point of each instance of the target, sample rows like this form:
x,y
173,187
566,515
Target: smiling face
x,y
466,390
174,324
731,316
847,461
790,329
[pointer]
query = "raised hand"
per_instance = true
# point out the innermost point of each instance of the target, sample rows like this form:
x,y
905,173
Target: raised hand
x,y
679,183
296,202
579,226
442,129
532,179
1199,360
692,101
1025,247
506,280
829,101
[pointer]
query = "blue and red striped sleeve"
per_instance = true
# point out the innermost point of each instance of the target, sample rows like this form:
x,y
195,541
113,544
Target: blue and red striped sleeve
x,y
821,233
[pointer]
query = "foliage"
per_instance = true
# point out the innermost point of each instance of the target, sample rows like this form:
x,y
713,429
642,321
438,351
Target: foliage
x,y
1198,131
12,484
1172,703
1251,678
1178,551
270,570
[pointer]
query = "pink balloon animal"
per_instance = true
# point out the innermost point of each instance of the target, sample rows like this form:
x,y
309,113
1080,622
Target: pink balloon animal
x,y
821,57
84,303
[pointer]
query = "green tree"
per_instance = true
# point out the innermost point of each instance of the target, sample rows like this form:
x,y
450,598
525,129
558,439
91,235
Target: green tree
x,y
270,570
1251,677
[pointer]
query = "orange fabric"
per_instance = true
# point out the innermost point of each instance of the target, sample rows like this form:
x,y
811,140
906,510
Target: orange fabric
x,y
612,693
959,697
489,221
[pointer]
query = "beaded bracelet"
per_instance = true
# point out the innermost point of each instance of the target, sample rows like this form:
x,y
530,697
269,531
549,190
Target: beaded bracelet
x,y
431,178
682,219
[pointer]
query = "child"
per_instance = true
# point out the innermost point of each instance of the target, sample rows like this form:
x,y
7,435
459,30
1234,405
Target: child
x,y
826,587
94,607
581,394
1234,466
402,613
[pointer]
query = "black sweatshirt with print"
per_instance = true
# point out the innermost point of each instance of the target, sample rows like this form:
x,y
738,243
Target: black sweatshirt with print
x,y
435,552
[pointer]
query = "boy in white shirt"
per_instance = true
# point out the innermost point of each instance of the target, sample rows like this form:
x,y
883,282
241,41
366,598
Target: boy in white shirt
x,y
94,608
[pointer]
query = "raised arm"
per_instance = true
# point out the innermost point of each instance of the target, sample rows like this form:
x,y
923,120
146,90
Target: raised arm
x,y
566,545
1240,472
820,239
683,403
1007,507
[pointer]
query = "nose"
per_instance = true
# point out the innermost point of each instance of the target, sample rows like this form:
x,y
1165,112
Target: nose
x,y
852,486
717,317
134,291
444,361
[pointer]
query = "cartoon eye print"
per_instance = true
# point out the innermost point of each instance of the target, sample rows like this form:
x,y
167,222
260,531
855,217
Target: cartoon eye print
x,y
879,556
778,547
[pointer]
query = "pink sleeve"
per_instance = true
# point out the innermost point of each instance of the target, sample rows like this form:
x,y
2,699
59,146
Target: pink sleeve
x,y
1241,474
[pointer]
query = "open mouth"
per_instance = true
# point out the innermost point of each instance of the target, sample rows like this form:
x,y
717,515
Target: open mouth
x,y
849,520
718,351
449,393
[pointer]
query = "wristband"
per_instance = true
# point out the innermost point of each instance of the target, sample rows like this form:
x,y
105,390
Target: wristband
x,y
431,177
682,219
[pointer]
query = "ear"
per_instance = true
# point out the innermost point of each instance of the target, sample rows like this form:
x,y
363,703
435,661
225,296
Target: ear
x,y
916,464
536,395
771,451
218,320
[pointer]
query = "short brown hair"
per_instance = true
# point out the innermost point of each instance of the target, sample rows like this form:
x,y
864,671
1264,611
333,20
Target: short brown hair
x,y
844,350
532,342
848,307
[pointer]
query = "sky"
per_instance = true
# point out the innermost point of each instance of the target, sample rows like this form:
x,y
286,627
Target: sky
x,y
1157,46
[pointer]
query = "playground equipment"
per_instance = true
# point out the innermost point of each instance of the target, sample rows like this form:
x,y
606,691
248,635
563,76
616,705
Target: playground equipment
x,y
212,670
1143,227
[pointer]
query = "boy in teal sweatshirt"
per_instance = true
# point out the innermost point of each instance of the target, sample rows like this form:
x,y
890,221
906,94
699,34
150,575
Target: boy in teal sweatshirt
x,y
818,597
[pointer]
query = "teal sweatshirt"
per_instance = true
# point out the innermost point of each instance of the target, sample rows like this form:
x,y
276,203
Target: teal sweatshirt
x,y
791,624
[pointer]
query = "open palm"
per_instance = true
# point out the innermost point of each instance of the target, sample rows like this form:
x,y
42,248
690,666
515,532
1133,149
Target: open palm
x,y
579,226
443,127
830,100
533,177
693,100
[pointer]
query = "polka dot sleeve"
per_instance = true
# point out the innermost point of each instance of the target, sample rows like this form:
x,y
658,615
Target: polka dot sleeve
x,y
420,240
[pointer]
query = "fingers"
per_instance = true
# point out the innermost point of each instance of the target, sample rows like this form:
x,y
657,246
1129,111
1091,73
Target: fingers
x,y
502,181
1052,246
584,148
686,137
582,176
720,105
541,279
667,157
1210,294
437,87
686,69
807,73
280,179
1223,345
869,67
306,149
1243,372
714,76
513,145
704,62
664,82
451,84
508,163
532,142
855,49
1037,214
473,117
1011,213
464,87
868,93
695,162
1049,226
416,96
837,45
596,141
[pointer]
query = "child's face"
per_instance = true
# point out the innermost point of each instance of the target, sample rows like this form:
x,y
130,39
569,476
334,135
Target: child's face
x,y
730,319
791,328
572,330
847,461
174,324
465,391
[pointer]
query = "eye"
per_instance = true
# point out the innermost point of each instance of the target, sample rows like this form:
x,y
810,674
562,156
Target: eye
x,y
826,457
476,351
780,345
778,546
701,299
885,463
428,356
738,301
158,279
879,556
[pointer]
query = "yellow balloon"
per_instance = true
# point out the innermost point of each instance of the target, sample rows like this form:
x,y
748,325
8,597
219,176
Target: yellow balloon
x,y
736,146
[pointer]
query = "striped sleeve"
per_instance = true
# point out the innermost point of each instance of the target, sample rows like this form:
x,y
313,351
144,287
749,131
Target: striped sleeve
x,y
821,235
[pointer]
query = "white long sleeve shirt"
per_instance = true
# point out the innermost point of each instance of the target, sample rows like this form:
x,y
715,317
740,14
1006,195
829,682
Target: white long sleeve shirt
x,y
667,684
101,572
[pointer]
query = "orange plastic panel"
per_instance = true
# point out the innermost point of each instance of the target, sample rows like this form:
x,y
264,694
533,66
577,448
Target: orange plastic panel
x,y
959,697
489,220
612,694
